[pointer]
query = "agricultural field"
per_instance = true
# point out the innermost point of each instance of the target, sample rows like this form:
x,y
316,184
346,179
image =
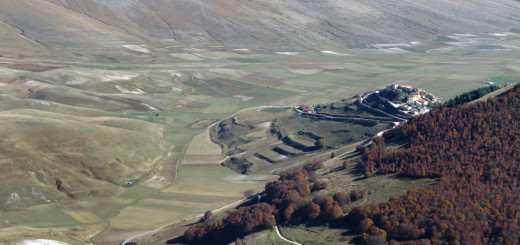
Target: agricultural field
x,y
157,108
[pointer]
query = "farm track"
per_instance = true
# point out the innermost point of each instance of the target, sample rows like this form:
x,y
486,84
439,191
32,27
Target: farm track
x,y
285,239
339,118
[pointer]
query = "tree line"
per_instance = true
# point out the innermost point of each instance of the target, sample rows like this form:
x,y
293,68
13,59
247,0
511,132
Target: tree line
x,y
471,95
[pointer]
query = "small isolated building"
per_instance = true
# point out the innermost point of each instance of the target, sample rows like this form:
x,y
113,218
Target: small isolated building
x,y
304,108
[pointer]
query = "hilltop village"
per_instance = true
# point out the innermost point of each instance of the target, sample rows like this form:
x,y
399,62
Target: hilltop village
x,y
404,98
417,100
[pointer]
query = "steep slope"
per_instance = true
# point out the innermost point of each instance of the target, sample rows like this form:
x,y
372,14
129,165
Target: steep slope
x,y
241,23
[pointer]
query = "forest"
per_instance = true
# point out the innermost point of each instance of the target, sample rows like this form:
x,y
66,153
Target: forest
x,y
474,150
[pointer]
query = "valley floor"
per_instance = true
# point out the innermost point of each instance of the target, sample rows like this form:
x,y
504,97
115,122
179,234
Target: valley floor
x,y
188,96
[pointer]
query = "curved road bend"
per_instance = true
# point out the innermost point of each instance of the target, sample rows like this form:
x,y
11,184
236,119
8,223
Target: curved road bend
x,y
285,239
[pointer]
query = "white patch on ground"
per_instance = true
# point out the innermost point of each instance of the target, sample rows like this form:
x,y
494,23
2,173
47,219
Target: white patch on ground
x,y
334,53
103,75
3,84
498,34
465,35
75,81
197,75
287,53
42,242
149,107
176,90
196,50
416,43
137,48
126,77
264,125
33,83
176,74
305,71
14,196
397,50
391,45
189,57
126,91
243,97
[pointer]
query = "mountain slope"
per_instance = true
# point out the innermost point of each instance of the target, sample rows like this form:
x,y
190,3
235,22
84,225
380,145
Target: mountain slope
x,y
241,23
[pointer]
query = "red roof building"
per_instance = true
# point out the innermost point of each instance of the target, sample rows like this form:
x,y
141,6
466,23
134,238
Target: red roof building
x,y
305,108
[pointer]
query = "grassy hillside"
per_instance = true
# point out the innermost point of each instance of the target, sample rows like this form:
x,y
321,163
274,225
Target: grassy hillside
x,y
269,140
279,24
48,156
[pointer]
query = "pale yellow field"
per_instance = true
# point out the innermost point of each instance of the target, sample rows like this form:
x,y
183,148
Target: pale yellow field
x,y
202,145
132,218
203,159
84,216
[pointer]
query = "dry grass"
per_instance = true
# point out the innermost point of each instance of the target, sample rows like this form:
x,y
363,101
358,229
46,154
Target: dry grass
x,y
202,145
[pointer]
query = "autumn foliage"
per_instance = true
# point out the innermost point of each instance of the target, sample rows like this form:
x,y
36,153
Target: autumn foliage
x,y
238,223
286,201
475,151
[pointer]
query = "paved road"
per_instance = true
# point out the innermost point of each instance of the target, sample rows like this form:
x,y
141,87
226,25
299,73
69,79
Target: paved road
x,y
285,239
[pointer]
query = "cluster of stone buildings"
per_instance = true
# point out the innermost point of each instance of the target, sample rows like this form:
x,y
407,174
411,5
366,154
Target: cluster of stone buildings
x,y
417,101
